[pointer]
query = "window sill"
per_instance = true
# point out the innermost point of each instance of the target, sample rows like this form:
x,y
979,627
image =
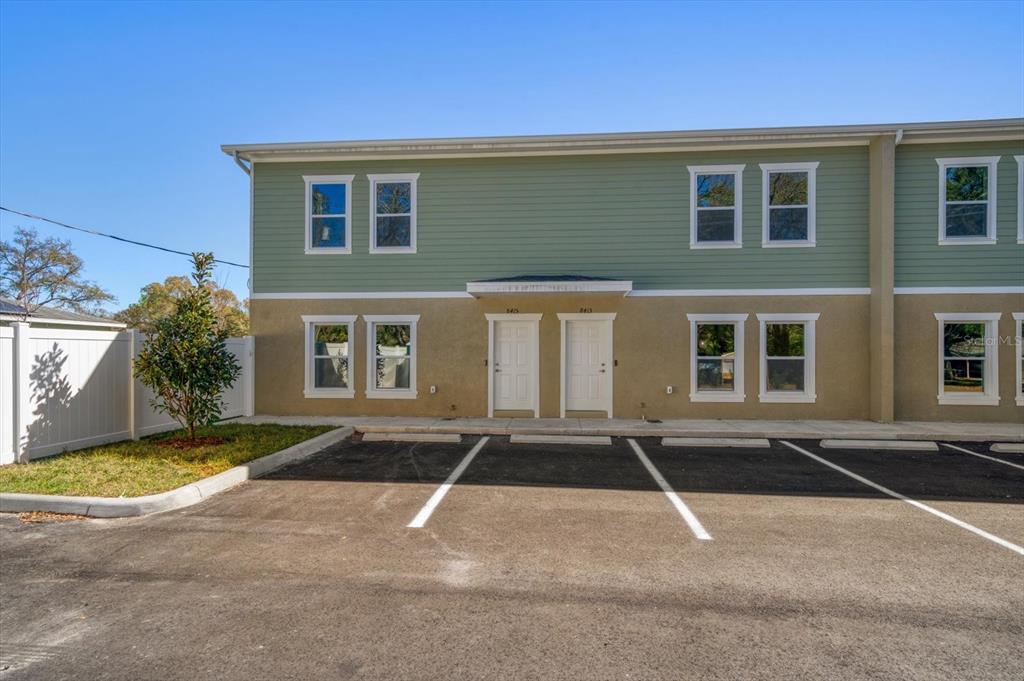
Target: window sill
x,y
717,397
967,241
788,398
787,244
391,394
970,400
328,251
716,244
394,249
1020,401
328,393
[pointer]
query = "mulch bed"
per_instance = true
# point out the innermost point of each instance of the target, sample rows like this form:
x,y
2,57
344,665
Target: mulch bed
x,y
185,443
47,517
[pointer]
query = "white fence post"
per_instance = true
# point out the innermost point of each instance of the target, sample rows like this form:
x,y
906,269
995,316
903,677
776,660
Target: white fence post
x,y
249,374
22,390
133,427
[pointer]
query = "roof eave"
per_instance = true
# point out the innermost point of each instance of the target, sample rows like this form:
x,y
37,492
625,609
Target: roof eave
x,y
629,143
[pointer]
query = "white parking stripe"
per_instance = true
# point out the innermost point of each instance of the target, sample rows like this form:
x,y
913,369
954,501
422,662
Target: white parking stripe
x,y
916,504
691,520
421,518
983,456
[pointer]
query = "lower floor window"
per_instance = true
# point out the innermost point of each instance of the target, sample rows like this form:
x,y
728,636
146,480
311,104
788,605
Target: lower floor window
x,y
717,357
787,357
328,355
1018,330
392,356
967,358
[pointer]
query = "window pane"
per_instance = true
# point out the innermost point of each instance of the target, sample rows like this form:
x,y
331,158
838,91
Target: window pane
x,y
394,197
964,376
784,340
787,224
969,219
393,372
393,340
715,340
716,225
331,340
716,190
328,233
787,189
327,199
715,374
394,231
963,340
967,184
785,374
330,372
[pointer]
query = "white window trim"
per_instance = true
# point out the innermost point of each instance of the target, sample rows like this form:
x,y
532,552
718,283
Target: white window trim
x,y
992,163
737,394
372,391
310,321
411,178
1018,318
809,393
346,180
991,395
737,172
811,168
1020,199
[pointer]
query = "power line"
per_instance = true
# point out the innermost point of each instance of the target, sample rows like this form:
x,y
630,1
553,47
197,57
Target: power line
x,y
111,236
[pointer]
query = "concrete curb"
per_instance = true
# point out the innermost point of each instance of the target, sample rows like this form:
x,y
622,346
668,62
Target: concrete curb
x,y
186,495
655,431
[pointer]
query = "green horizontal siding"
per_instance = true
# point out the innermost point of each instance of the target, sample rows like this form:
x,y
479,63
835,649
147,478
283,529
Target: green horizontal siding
x,y
611,216
920,260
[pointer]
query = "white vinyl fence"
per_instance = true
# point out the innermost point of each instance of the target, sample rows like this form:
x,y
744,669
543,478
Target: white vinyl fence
x,y
65,389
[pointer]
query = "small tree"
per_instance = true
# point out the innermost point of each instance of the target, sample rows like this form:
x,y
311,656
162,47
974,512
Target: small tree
x,y
184,360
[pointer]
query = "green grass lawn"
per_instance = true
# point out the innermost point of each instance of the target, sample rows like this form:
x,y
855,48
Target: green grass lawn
x,y
132,469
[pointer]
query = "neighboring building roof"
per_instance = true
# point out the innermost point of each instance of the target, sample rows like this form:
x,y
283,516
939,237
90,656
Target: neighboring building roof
x,y
11,310
630,142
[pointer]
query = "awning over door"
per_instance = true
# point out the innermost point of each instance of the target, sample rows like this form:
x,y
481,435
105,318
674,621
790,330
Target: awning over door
x,y
538,283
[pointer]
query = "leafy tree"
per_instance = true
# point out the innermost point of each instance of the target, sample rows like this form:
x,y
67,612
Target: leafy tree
x,y
37,272
158,300
184,360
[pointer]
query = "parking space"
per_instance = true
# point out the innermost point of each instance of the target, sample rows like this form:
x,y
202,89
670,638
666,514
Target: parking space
x,y
546,561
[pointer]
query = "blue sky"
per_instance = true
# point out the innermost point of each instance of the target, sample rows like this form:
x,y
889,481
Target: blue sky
x,y
111,114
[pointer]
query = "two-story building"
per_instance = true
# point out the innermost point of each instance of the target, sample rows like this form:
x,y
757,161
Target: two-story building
x,y
839,272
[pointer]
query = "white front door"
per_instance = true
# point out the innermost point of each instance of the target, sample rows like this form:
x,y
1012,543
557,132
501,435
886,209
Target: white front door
x,y
588,365
515,368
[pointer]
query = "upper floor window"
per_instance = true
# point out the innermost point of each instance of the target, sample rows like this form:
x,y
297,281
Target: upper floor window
x,y
968,356
967,200
393,213
328,355
788,204
1020,199
328,206
716,206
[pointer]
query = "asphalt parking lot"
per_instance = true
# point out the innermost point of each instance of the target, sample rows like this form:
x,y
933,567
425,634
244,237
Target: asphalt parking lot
x,y
488,559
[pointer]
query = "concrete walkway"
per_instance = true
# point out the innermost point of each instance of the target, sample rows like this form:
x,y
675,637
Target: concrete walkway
x,y
860,430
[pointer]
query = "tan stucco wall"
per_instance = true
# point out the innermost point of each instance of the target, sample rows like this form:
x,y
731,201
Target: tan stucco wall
x,y
650,343
917,359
